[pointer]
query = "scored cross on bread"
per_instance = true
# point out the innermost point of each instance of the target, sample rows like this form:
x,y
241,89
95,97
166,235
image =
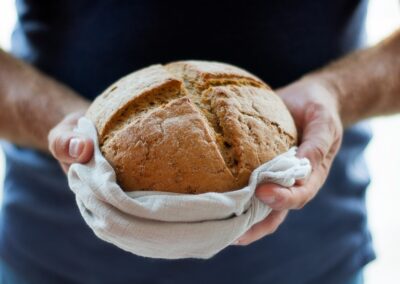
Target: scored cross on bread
x,y
190,127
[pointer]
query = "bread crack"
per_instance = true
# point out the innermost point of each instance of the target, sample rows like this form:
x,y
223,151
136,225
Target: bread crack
x,y
237,82
190,127
197,94
289,137
137,109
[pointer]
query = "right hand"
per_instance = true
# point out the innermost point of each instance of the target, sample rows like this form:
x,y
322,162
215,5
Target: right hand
x,y
315,109
67,146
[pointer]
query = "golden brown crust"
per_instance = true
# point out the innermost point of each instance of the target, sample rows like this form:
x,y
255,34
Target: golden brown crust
x,y
108,108
190,127
190,163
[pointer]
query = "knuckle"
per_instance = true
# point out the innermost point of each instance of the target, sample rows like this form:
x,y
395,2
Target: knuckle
x,y
325,167
318,105
338,124
325,116
60,145
338,135
304,196
307,196
335,127
315,109
282,201
330,121
319,152
286,199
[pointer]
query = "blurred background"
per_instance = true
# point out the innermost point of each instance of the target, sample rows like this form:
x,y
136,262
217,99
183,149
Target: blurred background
x,y
383,153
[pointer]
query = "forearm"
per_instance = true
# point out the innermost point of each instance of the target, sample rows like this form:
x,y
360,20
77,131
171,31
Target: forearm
x,y
31,103
367,82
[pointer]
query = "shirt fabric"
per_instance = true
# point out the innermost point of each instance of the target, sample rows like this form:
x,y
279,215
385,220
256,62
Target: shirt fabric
x,y
88,44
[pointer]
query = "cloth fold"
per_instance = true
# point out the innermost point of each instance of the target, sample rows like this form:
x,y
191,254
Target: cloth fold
x,y
171,225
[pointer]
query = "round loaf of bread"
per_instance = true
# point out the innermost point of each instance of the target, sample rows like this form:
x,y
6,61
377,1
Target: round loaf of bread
x,y
190,127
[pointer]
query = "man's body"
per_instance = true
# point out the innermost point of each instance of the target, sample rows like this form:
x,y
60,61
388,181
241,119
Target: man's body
x,y
87,46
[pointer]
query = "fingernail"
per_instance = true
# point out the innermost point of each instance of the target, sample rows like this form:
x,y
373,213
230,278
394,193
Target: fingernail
x,y
75,147
268,199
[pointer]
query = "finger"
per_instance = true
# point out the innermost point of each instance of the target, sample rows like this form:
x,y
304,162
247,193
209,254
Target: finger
x,y
266,227
320,133
69,147
320,143
65,126
82,148
295,197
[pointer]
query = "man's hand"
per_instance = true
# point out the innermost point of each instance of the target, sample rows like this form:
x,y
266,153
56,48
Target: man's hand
x,y
361,85
314,107
67,146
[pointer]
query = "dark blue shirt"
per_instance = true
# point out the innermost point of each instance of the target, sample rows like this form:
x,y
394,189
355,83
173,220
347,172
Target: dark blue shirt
x,y
88,44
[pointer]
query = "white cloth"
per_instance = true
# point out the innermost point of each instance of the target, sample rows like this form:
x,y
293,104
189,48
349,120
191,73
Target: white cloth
x,y
170,225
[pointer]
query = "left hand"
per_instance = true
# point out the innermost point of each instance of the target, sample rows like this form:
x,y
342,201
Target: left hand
x,y
314,107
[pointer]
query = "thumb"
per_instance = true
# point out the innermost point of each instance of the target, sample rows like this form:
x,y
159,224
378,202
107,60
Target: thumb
x,y
68,147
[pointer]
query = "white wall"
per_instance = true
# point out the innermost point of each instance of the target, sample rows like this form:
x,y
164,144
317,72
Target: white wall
x,y
383,156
